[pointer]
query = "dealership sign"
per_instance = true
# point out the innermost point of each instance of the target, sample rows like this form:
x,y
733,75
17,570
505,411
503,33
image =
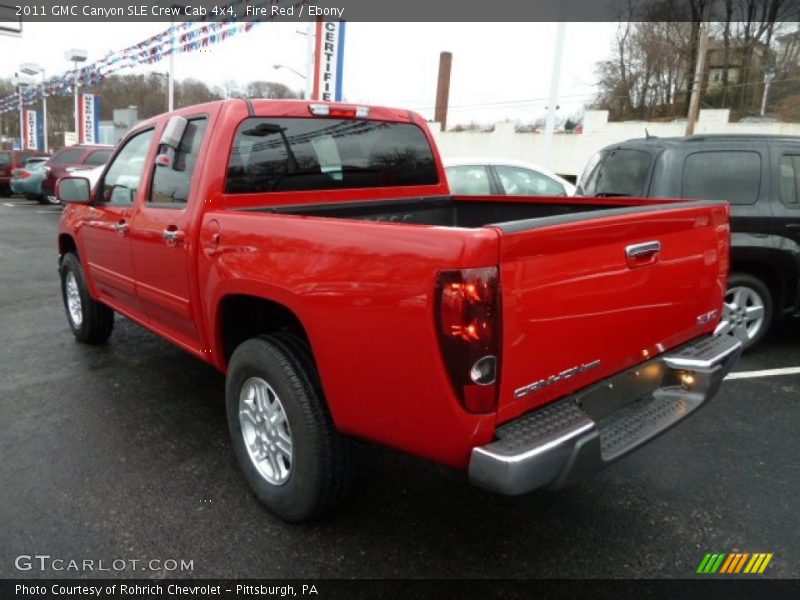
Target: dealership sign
x,y
32,128
89,119
329,61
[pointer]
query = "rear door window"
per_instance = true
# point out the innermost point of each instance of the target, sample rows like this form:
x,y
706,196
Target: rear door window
x,y
730,175
97,158
279,155
618,172
469,180
790,179
517,181
67,157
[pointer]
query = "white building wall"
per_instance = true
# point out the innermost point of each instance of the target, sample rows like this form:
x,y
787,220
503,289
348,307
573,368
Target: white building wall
x,y
570,152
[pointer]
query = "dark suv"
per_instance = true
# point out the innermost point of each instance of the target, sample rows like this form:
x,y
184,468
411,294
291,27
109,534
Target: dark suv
x,y
68,160
759,175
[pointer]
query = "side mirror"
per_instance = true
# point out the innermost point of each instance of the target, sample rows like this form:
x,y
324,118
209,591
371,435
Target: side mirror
x,y
74,190
170,140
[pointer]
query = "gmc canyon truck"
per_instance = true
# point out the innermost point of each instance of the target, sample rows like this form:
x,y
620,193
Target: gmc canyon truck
x,y
314,254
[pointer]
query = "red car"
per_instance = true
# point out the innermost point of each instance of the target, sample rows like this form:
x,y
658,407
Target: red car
x,y
9,161
68,160
315,254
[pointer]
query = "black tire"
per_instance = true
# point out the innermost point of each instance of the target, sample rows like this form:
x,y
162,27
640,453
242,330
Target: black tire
x,y
5,191
754,286
321,466
97,319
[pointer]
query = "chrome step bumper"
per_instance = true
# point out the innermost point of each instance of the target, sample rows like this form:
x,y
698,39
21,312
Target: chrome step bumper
x,y
582,433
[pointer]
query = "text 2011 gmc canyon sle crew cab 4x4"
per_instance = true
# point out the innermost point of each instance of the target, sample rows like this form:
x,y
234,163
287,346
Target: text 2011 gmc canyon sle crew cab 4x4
x,y
313,253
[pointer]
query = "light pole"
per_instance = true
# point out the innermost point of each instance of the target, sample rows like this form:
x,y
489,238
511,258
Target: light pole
x,y
21,85
169,86
171,74
33,69
76,56
295,71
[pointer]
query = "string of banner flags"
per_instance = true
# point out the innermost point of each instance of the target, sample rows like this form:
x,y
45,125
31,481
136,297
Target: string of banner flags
x,y
181,38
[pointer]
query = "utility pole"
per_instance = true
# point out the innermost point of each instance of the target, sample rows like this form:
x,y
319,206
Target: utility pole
x,y
443,89
699,70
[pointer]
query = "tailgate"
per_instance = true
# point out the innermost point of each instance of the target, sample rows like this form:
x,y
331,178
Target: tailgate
x,y
587,295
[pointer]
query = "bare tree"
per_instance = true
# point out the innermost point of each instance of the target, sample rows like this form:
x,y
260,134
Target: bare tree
x,y
269,89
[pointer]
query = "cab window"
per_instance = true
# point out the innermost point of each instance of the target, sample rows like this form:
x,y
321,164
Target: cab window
x,y
171,183
124,176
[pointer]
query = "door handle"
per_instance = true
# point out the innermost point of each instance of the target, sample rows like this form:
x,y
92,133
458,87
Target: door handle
x,y
173,237
793,226
121,228
639,255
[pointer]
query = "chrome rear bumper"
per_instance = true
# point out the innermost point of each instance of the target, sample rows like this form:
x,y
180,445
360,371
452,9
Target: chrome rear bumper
x,y
582,433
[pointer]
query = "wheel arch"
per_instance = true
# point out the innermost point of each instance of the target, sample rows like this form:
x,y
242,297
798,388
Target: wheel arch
x,y
778,269
240,316
66,243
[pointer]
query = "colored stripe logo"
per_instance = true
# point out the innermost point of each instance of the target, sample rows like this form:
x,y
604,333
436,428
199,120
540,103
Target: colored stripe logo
x,y
729,564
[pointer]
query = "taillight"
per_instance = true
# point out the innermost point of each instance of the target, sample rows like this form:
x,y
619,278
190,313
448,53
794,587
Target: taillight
x,y
23,175
468,323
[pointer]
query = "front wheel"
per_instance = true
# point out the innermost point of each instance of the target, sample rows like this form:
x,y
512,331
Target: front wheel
x,y
747,312
283,435
91,321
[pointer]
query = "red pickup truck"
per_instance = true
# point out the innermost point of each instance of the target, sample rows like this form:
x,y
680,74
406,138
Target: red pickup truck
x,y
313,253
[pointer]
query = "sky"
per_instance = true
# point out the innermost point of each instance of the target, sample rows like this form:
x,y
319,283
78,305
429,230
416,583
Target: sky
x,y
500,70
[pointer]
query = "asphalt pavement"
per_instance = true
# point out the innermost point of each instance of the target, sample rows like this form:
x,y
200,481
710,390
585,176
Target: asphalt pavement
x,y
121,451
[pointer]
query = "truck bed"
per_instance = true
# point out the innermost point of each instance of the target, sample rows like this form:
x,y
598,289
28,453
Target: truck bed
x,y
467,212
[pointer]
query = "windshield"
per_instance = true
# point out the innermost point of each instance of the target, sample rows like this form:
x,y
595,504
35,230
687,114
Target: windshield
x,y
618,172
275,155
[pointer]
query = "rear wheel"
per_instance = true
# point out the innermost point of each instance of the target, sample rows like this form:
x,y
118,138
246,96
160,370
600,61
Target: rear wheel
x,y
91,322
283,435
748,309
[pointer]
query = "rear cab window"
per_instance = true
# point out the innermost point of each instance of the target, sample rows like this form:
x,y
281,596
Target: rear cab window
x,y
301,154
5,159
617,172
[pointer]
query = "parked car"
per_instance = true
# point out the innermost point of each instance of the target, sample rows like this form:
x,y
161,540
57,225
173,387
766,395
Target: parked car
x,y
68,159
315,253
11,160
759,175
490,176
27,181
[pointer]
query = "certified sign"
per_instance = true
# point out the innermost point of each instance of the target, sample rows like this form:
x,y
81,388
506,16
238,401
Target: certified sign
x,y
31,125
329,61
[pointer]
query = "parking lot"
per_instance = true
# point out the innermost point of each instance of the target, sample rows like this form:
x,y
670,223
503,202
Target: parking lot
x,y
121,451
